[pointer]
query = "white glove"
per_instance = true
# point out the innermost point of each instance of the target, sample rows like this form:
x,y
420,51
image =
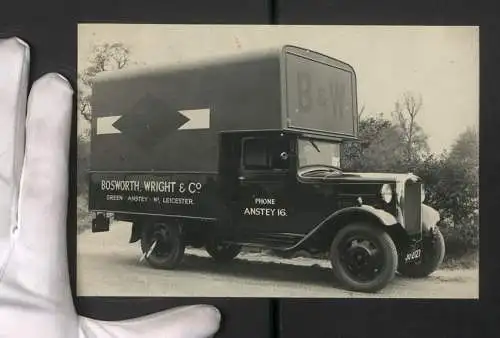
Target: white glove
x,y
35,296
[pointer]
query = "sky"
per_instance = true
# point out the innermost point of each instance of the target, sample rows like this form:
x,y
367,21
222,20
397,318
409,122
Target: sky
x,y
439,63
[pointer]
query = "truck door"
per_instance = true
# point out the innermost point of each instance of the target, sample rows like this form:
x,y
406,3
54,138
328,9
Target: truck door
x,y
264,184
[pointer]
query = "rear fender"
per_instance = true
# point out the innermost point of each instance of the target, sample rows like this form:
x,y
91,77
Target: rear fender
x,y
135,234
138,227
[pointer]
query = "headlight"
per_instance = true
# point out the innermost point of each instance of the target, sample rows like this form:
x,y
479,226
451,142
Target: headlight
x,y
386,193
422,194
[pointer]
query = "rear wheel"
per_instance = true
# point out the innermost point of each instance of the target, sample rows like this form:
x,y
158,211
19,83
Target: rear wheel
x,y
222,252
163,245
363,257
433,250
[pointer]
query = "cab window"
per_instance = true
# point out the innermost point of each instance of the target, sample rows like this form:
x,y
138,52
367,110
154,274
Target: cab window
x,y
265,154
255,154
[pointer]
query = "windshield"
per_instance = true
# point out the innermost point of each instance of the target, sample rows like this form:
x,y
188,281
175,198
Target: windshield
x,y
315,152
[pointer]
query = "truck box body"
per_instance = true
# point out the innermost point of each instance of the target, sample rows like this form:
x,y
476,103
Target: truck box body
x,y
286,88
167,121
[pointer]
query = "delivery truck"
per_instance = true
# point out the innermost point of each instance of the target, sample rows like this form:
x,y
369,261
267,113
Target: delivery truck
x,y
245,151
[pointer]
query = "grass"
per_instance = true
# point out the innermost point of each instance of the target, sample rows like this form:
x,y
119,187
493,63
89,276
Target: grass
x,y
469,260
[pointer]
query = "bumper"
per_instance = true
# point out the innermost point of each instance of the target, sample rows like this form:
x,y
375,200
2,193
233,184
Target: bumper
x,y
430,217
384,217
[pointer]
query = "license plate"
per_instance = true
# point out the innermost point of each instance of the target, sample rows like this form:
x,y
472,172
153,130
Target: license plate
x,y
413,255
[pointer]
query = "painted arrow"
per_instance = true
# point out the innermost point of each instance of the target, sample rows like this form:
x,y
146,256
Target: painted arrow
x,y
105,125
197,119
151,120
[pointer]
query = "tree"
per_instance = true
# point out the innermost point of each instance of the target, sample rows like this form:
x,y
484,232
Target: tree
x,y
397,146
405,113
103,57
83,162
465,150
463,163
361,112
451,179
379,149
452,187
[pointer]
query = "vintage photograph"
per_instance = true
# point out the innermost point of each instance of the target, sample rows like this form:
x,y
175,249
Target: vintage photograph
x,y
278,161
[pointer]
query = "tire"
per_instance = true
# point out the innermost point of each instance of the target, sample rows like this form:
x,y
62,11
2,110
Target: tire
x,y
364,257
222,252
433,250
170,247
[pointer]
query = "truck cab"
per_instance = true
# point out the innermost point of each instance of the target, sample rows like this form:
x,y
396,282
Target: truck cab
x,y
264,174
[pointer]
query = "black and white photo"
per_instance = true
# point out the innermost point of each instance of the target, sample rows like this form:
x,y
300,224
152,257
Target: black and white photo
x,y
278,161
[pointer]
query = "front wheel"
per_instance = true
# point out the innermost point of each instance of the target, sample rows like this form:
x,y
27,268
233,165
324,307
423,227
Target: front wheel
x,y
433,250
163,245
364,257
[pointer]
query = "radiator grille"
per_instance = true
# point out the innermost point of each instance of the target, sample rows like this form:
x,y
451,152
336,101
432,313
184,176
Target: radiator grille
x,y
412,209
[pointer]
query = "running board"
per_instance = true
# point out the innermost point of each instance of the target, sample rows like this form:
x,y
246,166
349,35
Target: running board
x,y
266,244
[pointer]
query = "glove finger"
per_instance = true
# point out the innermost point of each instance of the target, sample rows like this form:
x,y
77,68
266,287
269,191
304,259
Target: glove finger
x,y
198,321
14,71
41,237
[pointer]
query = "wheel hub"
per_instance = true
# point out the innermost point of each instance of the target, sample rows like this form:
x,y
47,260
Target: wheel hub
x,y
360,258
162,236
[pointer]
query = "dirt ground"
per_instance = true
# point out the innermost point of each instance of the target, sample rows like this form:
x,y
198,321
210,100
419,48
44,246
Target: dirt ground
x,y
108,266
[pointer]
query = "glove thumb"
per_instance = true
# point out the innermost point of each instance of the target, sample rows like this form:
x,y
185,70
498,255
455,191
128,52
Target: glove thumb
x,y
198,321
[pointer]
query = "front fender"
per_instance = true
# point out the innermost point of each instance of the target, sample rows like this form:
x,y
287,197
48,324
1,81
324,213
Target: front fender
x,y
430,217
383,216
367,210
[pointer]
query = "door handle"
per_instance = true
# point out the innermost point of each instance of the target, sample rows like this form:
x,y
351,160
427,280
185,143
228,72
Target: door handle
x,y
241,178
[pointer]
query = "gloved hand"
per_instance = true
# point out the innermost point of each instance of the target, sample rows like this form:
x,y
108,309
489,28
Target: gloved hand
x,y
35,296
